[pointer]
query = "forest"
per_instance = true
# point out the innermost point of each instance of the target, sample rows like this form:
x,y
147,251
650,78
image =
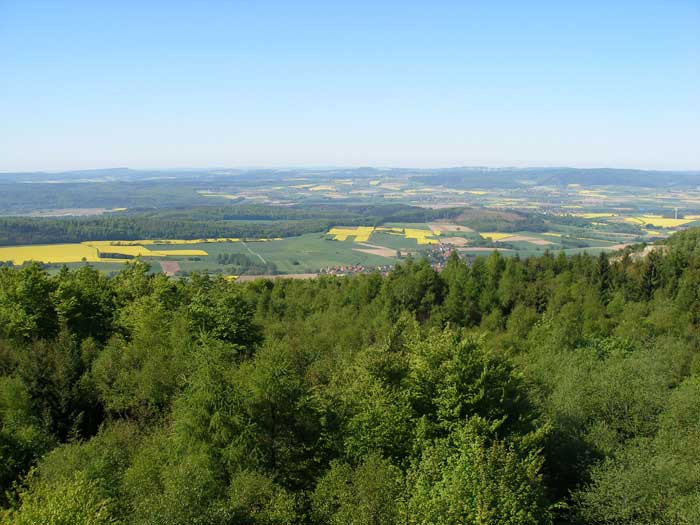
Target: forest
x,y
244,220
546,390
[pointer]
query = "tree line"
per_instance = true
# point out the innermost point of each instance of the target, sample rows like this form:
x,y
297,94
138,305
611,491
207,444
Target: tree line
x,y
544,390
252,221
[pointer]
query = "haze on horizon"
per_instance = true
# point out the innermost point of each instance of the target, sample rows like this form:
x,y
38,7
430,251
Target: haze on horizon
x,y
174,84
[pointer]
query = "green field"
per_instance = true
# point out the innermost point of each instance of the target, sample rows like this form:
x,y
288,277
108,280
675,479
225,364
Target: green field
x,y
303,254
317,252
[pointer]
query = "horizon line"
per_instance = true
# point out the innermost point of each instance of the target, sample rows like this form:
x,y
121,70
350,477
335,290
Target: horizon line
x,y
346,167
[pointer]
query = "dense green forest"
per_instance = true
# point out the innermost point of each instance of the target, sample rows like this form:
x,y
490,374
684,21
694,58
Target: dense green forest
x,y
507,391
244,220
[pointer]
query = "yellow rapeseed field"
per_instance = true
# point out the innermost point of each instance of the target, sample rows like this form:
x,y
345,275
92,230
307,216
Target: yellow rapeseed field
x,y
134,251
142,251
594,215
496,236
148,242
421,236
176,253
49,253
89,251
361,233
657,221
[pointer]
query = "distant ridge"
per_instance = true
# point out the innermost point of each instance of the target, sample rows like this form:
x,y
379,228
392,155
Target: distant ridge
x,y
504,177
458,177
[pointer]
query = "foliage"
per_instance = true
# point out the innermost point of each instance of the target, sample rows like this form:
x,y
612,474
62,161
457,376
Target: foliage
x,y
367,494
465,480
79,500
515,391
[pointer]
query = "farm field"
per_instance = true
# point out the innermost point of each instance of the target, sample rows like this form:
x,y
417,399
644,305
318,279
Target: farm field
x,y
295,223
294,255
344,248
417,232
49,253
659,221
96,252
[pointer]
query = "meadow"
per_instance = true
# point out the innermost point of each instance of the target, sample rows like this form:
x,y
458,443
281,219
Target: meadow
x,y
303,254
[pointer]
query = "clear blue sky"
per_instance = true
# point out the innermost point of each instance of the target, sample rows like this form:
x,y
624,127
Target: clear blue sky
x,y
149,83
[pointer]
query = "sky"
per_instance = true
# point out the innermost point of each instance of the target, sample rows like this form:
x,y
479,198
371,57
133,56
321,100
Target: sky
x,y
165,84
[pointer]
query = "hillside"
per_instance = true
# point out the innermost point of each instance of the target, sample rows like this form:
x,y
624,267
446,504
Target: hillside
x,y
549,389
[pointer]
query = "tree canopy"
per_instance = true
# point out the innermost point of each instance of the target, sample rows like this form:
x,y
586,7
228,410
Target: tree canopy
x,y
511,391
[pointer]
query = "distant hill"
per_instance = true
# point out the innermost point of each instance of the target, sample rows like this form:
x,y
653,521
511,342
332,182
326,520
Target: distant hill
x,y
517,177
464,177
